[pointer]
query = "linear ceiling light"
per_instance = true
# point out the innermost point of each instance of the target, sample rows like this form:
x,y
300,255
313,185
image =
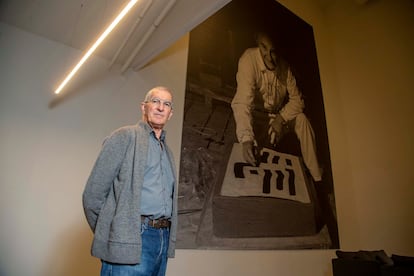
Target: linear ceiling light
x,y
96,44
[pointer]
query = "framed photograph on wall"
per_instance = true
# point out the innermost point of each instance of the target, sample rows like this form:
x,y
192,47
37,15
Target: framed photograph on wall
x,y
255,169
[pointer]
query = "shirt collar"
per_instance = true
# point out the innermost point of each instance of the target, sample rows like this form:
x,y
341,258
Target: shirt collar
x,y
149,129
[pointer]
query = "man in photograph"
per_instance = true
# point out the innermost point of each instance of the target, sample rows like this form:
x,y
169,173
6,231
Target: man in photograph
x,y
268,104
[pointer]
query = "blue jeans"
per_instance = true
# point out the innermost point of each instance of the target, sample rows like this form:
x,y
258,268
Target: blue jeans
x,y
153,256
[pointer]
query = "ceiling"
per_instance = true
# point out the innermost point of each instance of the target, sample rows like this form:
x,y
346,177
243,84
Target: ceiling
x,y
150,27
141,35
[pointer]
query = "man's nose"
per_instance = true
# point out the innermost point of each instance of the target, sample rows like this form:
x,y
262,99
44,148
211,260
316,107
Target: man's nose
x,y
161,106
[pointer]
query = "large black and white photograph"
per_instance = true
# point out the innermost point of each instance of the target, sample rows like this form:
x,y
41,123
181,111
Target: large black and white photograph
x,y
255,169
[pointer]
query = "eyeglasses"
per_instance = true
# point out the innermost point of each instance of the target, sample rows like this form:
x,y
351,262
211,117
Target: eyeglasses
x,y
158,101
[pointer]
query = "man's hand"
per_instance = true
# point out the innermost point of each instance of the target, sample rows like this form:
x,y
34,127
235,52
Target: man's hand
x,y
276,128
249,152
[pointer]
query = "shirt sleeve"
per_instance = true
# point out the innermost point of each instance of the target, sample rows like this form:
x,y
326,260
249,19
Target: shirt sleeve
x,y
103,174
243,101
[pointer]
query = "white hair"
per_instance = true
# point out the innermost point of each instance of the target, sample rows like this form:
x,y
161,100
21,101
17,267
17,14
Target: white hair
x,y
157,88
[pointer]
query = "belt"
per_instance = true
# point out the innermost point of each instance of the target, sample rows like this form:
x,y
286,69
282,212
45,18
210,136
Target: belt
x,y
156,223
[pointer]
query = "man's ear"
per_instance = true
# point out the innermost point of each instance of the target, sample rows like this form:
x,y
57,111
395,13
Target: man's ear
x,y
143,108
169,116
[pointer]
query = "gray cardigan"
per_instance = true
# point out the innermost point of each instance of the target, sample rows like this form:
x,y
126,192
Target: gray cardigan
x,y
111,199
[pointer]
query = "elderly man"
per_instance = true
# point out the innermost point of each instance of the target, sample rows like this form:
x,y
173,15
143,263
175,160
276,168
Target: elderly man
x,y
130,198
268,104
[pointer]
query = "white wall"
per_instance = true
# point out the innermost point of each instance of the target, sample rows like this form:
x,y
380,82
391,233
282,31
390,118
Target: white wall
x,y
373,54
47,153
366,63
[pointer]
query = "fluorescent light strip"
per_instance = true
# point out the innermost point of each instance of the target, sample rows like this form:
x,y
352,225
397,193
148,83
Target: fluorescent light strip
x,y
96,44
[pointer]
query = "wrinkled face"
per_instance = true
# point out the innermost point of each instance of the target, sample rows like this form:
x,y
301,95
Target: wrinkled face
x,y
157,110
267,50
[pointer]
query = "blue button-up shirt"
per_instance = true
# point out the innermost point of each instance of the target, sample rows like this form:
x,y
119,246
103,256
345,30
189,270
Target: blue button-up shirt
x,y
157,190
